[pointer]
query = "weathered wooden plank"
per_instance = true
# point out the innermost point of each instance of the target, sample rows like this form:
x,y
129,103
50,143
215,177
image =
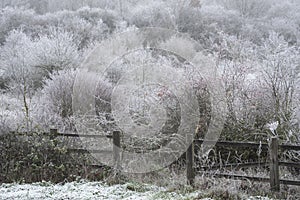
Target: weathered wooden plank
x,y
290,164
274,165
289,147
240,177
116,149
236,165
84,136
90,151
190,173
253,178
290,182
54,131
247,144
233,144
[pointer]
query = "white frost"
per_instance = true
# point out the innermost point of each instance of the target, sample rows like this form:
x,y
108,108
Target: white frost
x,y
85,190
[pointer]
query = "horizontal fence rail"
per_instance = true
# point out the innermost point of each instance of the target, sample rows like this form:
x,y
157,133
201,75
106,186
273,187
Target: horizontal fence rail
x,y
90,151
252,178
232,144
289,147
84,136
290,164
56,134
235,165
246,144
240,177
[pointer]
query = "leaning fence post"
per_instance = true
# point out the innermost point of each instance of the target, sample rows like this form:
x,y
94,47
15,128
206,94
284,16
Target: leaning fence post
x,y
116,149
190,174
274,165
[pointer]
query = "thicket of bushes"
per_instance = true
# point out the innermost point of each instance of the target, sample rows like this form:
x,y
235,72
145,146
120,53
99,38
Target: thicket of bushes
x,y
41,157
256,54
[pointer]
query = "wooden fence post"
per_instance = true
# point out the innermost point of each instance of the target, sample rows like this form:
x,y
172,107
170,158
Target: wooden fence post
x,y
53,133
274,165
116,149
190,174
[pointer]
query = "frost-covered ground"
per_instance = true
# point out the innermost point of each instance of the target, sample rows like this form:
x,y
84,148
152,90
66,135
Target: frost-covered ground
x,y
87,190
91,190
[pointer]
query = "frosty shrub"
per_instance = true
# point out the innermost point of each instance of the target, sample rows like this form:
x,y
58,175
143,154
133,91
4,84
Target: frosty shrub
x,y
27,61
198,23
57,5
11,116
284,16
149,99
190,20
156,14
261,85
87,25
217,18
54,106
56,51
248,8
96,15
13,18
17,61
38,157
18,64
280,75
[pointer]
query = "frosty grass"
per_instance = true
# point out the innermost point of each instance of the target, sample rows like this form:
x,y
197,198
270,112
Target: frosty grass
x,y
90,190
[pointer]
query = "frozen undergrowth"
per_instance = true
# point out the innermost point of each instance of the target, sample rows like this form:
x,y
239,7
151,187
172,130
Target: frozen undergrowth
x,y
92,190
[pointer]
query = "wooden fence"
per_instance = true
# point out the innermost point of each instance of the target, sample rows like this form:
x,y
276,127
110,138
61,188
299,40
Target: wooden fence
x,y
115,136
273,148
274,163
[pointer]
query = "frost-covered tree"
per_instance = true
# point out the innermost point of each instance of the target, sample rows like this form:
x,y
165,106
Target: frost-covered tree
x,y
56,51
284,19
235,58
261,84
13,18
155,14
39,57
17,61
280,73
239,32
87,25
26,62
